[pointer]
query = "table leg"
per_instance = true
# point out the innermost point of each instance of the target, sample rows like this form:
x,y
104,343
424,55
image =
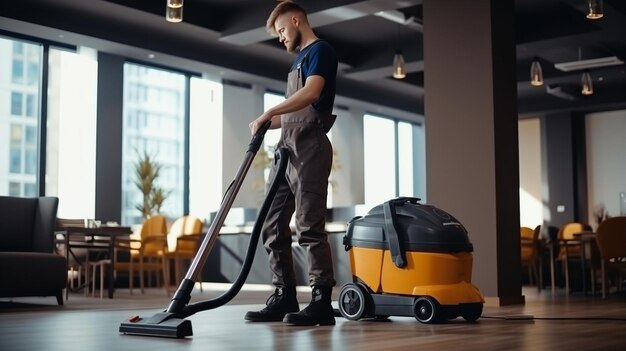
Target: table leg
x,y
553,284
583,259
111,268
67,264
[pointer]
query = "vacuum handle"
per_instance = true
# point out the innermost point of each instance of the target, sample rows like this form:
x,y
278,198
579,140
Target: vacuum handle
x,y
395,245
257,139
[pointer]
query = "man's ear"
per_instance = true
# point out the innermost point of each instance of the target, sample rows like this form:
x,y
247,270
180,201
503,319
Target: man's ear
x,y
295,20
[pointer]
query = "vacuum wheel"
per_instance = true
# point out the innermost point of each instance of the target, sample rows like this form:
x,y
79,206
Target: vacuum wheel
x,y
426,309
353,301
472,312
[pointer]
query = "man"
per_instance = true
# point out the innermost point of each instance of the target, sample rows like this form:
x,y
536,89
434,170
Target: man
x,y
304,117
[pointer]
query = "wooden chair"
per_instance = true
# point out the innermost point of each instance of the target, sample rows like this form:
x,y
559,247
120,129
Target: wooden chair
x,y
531,254
183,243
611,240
147,253
569,246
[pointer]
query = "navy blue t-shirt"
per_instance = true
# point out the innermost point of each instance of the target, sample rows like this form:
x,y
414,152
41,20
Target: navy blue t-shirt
x,y
319,58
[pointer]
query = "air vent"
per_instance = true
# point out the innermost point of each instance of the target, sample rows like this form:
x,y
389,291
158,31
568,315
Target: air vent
x,y
588,64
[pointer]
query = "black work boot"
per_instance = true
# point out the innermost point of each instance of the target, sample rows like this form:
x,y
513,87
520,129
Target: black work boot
x,y
319,311
283,301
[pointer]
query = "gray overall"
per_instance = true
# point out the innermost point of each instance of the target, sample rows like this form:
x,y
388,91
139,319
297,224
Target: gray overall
x,y
303,190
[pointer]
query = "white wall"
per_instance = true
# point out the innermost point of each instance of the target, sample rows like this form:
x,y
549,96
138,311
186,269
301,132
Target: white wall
x,y
241,106
606,160
531,207
347,141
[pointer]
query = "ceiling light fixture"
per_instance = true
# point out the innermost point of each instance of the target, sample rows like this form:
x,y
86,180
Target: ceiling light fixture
x,y
174,11
536,74
399,69
587,64
594,9
587,84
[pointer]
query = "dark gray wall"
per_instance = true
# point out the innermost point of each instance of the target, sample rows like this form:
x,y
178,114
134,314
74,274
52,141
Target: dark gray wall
x,y
564,168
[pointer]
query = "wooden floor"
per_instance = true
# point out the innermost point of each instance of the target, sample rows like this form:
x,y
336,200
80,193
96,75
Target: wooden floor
x,y
560,322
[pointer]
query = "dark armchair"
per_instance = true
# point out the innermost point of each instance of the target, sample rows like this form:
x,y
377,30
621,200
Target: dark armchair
x,y
28,264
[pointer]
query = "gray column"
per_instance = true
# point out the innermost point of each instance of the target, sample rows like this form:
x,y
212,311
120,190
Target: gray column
x,y
109,137
471,133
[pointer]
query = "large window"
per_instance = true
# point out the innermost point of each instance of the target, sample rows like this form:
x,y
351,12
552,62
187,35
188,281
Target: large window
x,y
273,135
205,153
71,131
379,138
393,159
154,123
20,90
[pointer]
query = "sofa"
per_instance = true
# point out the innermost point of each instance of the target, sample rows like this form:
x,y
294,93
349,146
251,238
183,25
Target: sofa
x,y
29,265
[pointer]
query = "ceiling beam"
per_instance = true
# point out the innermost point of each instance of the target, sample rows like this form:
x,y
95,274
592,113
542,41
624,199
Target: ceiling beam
x,y
252,29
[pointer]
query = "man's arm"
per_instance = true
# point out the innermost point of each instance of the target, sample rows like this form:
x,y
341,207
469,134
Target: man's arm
x,y
309,93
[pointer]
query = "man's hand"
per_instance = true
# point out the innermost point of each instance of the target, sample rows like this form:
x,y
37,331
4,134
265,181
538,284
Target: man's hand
x,y
257,123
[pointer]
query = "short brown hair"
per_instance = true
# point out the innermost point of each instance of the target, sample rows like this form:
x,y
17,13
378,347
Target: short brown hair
x,y
281,8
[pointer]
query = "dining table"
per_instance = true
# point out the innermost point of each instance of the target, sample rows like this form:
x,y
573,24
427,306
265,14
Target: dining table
x,y
586,240
101,238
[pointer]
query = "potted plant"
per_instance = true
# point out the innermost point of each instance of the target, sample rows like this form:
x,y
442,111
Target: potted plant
x,y
147,171
600,214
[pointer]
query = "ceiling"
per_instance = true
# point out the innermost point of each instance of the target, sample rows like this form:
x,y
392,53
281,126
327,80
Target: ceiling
x,y
230,35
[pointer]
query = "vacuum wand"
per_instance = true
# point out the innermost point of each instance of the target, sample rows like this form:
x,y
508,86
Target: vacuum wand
x,y
209,241
170,323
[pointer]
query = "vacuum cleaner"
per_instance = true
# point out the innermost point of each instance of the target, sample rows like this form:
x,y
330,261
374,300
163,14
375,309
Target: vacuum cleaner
x,y
409,259
171,322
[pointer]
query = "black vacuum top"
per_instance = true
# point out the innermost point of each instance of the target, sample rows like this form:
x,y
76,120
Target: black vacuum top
x,y
418,227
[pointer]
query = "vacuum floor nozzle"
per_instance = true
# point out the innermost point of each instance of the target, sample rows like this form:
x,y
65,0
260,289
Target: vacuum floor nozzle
x,y
161,324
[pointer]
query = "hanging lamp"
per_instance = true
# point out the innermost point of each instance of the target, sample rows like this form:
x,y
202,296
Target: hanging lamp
x,y
587,83
594,9
174,11
536,74
399,69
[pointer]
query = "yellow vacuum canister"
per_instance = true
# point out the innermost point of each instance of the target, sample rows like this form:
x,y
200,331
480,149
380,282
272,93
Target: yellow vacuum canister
x,y
409,259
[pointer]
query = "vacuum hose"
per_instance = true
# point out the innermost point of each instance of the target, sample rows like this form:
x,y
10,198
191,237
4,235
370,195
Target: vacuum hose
x,y
282,157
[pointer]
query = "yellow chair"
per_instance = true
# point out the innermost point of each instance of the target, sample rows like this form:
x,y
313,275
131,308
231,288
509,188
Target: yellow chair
x,y
183,242
531,254
611,240
147,253
569,246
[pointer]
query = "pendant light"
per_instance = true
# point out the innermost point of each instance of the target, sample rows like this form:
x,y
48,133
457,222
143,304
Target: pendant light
x,y
594,9
399,70
536,74
174,11
587,83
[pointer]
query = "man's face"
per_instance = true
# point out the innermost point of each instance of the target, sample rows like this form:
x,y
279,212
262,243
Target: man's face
x,y
288,32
